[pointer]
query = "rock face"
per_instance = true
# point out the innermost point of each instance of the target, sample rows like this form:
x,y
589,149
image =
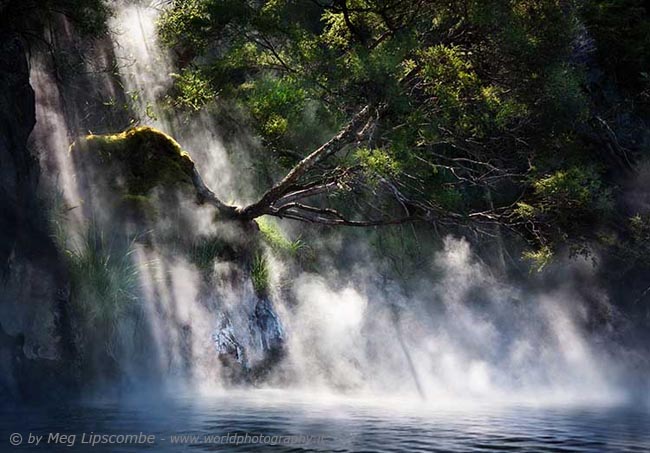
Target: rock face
x,y
31,279
17,119
250,341
40,346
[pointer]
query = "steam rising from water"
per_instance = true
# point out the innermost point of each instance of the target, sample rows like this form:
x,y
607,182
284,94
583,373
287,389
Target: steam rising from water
x,y
470,337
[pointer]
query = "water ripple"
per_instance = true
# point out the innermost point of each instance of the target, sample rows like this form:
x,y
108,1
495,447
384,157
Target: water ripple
x,y
343,427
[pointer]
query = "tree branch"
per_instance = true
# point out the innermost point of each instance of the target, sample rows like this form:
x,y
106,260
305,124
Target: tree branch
x,y
205,195
306,193
328,216
335,144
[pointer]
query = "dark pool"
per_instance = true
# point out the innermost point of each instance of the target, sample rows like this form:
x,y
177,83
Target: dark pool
x,y
280,421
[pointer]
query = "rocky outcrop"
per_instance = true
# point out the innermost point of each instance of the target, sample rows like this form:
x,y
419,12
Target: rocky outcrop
x,y
252,344
41,349
145,158
146,182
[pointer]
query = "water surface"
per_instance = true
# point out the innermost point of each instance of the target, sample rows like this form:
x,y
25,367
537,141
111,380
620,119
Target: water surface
x,y
295,423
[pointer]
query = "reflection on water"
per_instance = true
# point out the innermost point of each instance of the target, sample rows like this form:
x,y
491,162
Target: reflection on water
x,y
342,425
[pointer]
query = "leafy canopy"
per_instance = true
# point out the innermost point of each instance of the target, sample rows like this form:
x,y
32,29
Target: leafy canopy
x,y
481,106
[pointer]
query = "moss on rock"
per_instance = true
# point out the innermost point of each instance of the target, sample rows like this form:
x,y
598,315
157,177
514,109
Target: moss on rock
x,y
142,157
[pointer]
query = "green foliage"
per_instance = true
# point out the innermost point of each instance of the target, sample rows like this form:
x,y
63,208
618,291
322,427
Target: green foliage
x,y
481,106
273,236
564,98
640,228
104,279
260,275
566,192
377,162
204,251
57,217
104,282
189,22
91,16
450,79
524,210
566,207
628,247
637,250
275,103
193,90
179,25
540,258
449,198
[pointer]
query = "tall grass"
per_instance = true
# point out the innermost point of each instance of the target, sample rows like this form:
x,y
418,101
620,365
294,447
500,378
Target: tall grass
x,y
104,284
275,238
204,251
260,275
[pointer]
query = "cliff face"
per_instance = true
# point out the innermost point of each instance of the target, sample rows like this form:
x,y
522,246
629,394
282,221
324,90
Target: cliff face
x,y
45,347
31,280
17,119
43,101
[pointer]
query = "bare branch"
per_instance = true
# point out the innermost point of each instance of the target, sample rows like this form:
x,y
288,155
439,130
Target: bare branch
x,y
306,193
335,144
328,216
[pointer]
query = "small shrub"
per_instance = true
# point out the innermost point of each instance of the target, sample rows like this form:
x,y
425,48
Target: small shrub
x,y
57,214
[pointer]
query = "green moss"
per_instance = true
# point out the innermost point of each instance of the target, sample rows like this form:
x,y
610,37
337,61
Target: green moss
x,y
139,205
142,157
